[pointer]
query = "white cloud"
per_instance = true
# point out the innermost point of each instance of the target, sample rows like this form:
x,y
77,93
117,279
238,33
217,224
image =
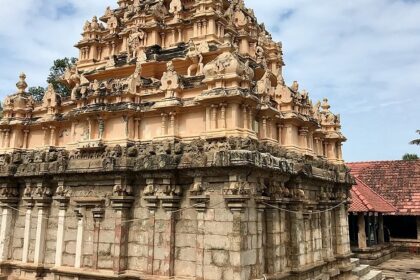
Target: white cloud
x,y
362,54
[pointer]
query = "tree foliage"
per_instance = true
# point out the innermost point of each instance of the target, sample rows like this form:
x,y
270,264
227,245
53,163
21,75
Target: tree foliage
x,y
410,157
57,70
416,141
37,93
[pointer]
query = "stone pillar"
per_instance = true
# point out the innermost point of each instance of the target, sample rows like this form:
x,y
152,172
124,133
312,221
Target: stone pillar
x,y
25,138
381,233
273,241
361,235
326,228
43,205
214,117
223,115
170,204
80,213
121,205
63,201
418,228
27,230
98,215
52,136
308,237
297,229
279,133
6,202
342,231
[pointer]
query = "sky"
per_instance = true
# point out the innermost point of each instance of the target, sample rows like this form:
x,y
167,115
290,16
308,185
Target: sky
x,y
363,55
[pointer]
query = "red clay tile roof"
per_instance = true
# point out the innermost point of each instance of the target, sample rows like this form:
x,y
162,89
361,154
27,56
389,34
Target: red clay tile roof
x,y
396,181
364,199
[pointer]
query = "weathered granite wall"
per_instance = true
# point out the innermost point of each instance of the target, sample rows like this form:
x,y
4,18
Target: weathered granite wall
x,y
232,214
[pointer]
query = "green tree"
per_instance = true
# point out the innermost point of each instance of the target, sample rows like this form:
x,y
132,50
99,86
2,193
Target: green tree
x,y
37,93
56,71
416,141
410,157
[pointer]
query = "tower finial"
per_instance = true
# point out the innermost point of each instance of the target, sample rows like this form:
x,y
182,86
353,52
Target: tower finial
x,y
21,85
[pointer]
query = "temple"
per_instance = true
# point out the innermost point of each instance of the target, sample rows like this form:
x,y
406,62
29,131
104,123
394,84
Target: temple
x,y
179,154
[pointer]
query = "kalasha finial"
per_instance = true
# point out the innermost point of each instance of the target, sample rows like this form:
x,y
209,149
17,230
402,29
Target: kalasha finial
x,y
21,85
325,105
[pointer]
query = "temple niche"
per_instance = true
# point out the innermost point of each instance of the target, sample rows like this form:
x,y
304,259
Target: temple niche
x,y
180,153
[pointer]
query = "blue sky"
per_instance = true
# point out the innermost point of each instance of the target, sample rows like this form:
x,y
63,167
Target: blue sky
x,y
364,55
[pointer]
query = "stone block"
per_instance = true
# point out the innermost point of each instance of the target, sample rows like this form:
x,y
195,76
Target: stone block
x,y
70,247
186,254
219,242
185,240
185,268
212,272
220,258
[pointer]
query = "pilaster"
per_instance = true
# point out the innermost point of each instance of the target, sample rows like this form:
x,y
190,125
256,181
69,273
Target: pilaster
x,y
62,199
121,203
8,200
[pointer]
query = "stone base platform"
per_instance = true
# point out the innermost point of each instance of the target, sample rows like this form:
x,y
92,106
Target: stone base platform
x,y
375,255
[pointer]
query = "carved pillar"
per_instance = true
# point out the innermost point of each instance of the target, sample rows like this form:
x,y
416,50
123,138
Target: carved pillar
x,y
42,202
222,116
25,138
121,203
2,138
80,214
279,134
63,200
164,125
52,136
303,138
152,202
273,240
308,236
98,215
342,234
27,231
208,119
172,124
214,117
297,237
9,197
361,235
199,201
7,138
6,228
327,236
170,204
162,36
137,128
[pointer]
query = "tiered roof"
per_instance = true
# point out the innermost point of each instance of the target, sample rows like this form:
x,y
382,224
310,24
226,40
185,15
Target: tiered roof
x,y
396,181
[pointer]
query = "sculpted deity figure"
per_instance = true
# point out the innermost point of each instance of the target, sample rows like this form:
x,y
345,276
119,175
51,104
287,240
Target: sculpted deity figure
x,y
113,24
136,41
175,7
196,57
170,81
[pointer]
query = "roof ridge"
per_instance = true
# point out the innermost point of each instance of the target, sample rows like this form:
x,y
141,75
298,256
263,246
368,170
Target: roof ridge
x,y
372,190
378,161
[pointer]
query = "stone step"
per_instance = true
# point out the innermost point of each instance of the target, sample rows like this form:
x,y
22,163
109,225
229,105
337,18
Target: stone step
x,y
361,270
372,275
355,261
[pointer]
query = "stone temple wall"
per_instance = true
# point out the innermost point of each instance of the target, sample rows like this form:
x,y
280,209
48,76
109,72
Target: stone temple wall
x,y
231,214
177,152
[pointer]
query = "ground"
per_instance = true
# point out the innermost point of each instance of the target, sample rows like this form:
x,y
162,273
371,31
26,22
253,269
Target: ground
x,y
403,267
